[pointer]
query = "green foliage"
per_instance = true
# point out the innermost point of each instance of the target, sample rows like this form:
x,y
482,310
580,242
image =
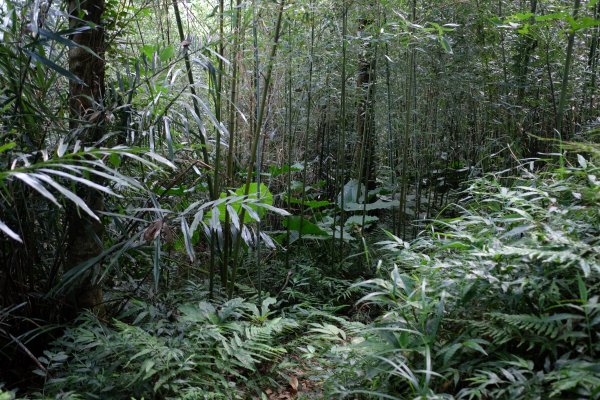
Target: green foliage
x,y
74,167
500,302
255,206
6,395
196,350
305,227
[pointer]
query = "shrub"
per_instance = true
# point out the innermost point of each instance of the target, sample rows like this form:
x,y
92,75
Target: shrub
x,y
501,302
196,350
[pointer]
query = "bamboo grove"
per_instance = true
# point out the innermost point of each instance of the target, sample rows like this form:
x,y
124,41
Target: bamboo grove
x,y
146,143
391,103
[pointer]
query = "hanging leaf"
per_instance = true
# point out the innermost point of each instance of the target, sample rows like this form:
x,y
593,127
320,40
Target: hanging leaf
x,y
187,239
446,45
83,181
62,147
68,194
214,220
161,159
247,236
276,210
251,213
35,184
148,50
169,138
268,241
235,220
57,37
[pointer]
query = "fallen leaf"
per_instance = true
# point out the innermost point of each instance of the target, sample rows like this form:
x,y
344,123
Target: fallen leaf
x,y
153,230
294,384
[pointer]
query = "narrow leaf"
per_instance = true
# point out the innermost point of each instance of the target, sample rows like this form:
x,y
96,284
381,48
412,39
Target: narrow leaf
x,y
68,194
35,184
54,66
9,232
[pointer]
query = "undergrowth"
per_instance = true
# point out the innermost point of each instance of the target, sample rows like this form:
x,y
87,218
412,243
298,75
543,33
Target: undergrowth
x,y
500,302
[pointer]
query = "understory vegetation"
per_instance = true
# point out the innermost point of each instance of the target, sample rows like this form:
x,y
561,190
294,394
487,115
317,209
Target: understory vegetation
x,y
283,200
499,301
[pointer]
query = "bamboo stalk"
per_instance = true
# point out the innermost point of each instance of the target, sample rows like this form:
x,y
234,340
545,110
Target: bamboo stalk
x,y
190,75
255,141
308,114
564,88
288,123
342,147
259,148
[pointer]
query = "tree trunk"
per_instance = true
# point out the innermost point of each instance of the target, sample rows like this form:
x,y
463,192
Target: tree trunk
x,y
564,87
365,82
592,66
87,113
526,46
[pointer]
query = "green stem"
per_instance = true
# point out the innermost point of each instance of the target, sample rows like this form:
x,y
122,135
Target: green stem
x,y
255,141
188,67
564,89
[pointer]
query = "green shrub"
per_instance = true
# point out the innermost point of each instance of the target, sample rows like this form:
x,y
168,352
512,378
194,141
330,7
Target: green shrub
x,y
501,302
196,351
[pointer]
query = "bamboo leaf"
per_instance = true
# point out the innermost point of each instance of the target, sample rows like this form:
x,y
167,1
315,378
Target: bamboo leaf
x,y
276,210
251,212
9,232
35,184
55,67
169,138
187,239
446,45
7,146
83,181
235,220
68,194
161,159
67,42
268,241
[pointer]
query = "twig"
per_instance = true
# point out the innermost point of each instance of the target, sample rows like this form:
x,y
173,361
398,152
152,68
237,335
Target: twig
x,y
30,354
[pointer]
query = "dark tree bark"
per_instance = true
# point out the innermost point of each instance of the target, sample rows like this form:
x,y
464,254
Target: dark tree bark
x,y
85,100
87,114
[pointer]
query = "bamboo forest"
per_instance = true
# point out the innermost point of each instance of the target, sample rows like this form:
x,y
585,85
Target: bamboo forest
x,y
299,199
